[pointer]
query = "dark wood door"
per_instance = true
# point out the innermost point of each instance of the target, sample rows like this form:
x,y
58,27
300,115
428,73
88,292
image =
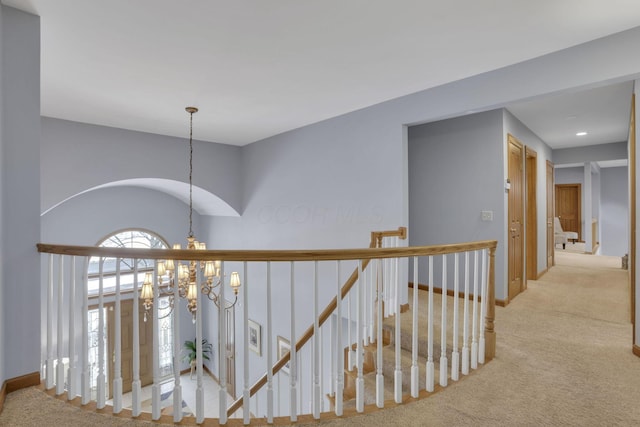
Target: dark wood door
x,y
569,207
550,205
516,216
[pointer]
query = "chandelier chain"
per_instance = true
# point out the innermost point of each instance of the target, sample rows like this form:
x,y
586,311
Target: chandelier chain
x,y
191,173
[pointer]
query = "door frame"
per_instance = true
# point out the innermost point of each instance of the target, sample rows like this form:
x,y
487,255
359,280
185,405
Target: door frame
x,y
551,205
579,188
531,215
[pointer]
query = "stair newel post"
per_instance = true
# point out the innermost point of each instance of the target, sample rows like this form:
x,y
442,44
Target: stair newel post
x,y
155,327
455,354
339,356
269,349
60,336
136,386
483,306
117,366
398,371
293,355
430,379
465,321
316,345
71,372
443,326
246,392
474,318
101,392
49,384
199,362
359,338
85,377
379,361
489,331
415,371
177,387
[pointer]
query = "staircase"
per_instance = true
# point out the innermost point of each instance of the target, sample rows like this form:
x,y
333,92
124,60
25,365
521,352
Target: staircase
x,y
389,356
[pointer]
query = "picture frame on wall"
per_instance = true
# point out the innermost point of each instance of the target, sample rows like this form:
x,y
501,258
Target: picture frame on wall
x,y
284,347
255,337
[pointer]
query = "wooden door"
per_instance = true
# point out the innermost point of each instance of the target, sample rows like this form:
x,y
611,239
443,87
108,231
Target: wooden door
x,y
569,207
532,213
146,345
231,352
550,205
516,216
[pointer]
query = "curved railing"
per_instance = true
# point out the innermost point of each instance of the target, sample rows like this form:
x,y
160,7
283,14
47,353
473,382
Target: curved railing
x,y
326,361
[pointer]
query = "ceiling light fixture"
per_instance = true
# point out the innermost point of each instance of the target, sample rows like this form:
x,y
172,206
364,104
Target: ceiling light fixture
x,y
583,133
186,274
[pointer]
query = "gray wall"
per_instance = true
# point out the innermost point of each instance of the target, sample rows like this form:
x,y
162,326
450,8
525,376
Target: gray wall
x,y
20,190
77,157
614,205
2,281
456,172
591,153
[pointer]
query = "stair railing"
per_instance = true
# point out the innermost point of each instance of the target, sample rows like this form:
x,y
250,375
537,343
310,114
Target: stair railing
x,y
369,268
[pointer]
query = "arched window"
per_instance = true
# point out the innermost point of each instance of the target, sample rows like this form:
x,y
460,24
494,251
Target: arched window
x,y
134,238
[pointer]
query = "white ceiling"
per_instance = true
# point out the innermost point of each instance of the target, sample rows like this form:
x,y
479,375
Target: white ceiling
x,y
257,68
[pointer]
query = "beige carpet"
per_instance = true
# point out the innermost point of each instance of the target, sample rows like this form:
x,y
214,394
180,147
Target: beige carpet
x,y
563,359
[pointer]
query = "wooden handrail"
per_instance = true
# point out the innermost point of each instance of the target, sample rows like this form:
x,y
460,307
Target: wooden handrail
x,y
265,255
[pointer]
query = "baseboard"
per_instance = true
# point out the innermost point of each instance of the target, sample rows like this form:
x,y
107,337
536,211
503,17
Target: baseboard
x,y
18,383
636,350
502,303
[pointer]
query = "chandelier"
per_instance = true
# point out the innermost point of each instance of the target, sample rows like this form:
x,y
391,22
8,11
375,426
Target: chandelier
x,y
185,276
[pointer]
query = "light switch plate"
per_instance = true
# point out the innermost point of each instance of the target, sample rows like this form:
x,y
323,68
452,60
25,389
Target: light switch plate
x,y
487,215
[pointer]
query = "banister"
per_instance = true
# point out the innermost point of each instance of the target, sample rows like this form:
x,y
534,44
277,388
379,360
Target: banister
x,y
265,255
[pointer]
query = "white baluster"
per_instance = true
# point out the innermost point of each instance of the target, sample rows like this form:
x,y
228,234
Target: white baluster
x,y
359,338
455,355
72,371
155,388
222,351
199,361
177,349
379,375
101,393
350,355
50,379
321,365
60,337
415,370
293,373
474,328
117,367
246,393
136,385
339,355
443,325
483,308
430,375
269,349
85,377
316,346
367,308
465,322
398,372
373,292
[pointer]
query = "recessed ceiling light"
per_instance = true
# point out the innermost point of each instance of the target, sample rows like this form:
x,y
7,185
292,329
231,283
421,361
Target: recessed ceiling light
x,y
581,133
